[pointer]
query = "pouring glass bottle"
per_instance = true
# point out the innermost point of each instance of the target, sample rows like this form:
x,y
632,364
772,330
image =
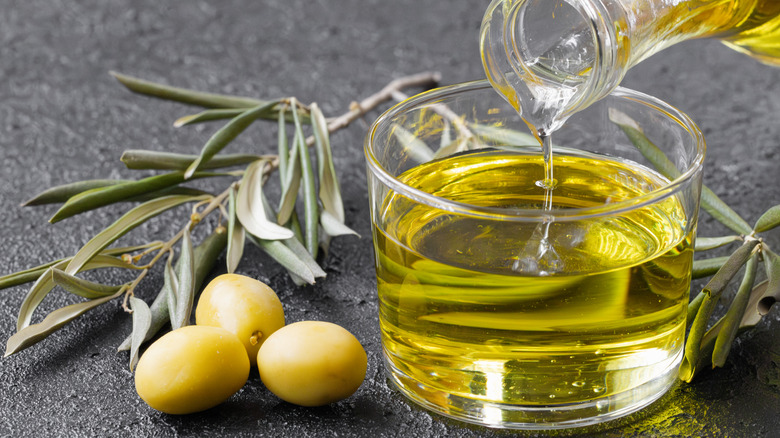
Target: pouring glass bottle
x,y
552,58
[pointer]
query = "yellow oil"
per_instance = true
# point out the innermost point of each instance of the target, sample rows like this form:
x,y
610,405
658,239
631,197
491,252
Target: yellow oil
x,y
750,26
464,312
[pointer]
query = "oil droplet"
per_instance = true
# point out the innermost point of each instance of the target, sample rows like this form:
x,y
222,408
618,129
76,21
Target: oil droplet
x,y
552,395
578,384
598,389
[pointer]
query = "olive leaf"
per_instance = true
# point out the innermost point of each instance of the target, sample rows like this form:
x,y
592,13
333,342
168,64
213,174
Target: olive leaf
x,y
142,321
183,95
123,225
207,116
710,202
751,317
311,209
102,196
236,237
330,194
707,243
81,287
144,159
719,210
45,284
416,148
290,184
504,136
733,317
205,256
711,294
283,147
226,134
158,318
770,219
62,193
458,145
185,287
32,334
446,135
32,274
772,268
706,267
285,257
170,287
333,226
303,255
250,208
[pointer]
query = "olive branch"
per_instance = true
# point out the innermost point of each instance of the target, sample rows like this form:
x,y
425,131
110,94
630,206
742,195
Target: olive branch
x,y
276,230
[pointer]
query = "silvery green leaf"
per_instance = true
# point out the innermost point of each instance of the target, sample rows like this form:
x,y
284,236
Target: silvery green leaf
x,y
282,145
192,97
290,187
32,334
285,257
311,209
722,212
226,134
709,201
707,243
205,256
712,292
236,237
250,209
416,148
81,287
142,321
123,225
503,136
62,193
159,317
183,95
770,219
330,192
303,255
333,226
207,116
733,317
102,196
706,267
45,284
446,135
157,160
185,275
458,145
171,287
26,276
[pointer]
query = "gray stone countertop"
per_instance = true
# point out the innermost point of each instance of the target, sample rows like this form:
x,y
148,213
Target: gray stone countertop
x,y
63,119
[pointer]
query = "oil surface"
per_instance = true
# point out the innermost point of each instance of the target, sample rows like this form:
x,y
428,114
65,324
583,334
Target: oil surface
x,y
468,307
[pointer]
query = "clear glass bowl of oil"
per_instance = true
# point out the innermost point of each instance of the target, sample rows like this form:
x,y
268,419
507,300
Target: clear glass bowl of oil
x,y
513,304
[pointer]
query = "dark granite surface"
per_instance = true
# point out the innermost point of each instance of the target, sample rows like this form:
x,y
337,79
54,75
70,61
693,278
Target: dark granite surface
x,y
63,118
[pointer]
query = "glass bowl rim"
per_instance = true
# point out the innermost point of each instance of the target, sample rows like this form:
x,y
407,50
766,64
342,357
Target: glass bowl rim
x,y
526,214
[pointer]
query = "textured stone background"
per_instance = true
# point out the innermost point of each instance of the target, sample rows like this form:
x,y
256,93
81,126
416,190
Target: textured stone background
x,y
62,119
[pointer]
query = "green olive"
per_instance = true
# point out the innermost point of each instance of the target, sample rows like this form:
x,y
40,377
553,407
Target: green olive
x,y
243,306
191,369
312,363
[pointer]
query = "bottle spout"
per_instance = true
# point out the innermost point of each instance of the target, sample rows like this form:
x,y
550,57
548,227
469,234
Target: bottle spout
x,y
546,57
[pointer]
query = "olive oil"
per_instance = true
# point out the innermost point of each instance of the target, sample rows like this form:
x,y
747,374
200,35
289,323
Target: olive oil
x,y
470,311
750,26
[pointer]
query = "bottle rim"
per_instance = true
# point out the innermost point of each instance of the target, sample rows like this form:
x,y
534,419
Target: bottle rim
x,y
524,214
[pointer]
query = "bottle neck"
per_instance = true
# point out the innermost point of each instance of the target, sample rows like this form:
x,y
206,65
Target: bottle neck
x,y
550,59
